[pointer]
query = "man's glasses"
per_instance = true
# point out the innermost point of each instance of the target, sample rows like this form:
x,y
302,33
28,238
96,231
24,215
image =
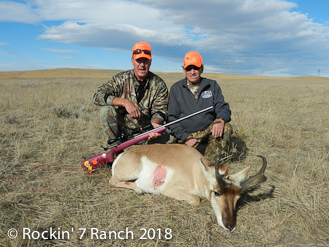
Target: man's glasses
x,y
189,68
139,51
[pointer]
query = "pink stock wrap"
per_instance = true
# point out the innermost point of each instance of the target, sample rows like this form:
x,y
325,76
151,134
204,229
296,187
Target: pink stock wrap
x,y
91,164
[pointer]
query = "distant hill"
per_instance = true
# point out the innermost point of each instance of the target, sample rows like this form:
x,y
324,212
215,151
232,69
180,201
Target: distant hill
x,y
106,74
59,73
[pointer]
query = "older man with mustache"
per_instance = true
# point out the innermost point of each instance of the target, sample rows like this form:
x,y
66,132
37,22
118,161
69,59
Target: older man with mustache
x,y
133,98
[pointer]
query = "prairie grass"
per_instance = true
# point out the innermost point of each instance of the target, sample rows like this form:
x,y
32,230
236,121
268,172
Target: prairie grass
x,y
48,125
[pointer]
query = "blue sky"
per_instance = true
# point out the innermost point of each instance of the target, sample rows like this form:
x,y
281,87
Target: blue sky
x,y
246,37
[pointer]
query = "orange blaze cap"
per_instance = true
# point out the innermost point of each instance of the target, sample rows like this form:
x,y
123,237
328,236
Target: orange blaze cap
x,y
142,49
192,58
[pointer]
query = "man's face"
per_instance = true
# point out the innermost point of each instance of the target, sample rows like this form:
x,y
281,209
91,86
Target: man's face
x,y
193,74
141,67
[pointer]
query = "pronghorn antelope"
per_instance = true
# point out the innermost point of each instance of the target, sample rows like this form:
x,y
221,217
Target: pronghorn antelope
x,y
181,172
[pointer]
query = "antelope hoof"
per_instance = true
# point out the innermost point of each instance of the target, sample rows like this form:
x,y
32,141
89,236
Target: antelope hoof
x,y
139,191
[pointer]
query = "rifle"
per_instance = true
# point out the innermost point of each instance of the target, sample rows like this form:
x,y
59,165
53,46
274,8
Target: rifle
x,y
91,164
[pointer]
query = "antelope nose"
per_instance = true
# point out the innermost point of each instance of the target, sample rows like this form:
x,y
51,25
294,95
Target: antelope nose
x,y
231,228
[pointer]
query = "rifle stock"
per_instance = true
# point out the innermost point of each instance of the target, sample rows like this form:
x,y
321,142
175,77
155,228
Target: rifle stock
x,y
91,164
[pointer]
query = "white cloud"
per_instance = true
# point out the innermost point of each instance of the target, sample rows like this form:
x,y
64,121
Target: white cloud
x,y
18,12
65,57
260,34
107,36
235,36
3,43
12,55
59,50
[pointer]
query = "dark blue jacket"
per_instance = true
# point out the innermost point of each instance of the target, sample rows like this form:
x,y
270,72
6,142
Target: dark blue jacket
x,y
182,103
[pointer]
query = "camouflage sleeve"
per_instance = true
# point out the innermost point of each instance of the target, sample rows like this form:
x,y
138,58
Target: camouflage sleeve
x,y
159,108
113,88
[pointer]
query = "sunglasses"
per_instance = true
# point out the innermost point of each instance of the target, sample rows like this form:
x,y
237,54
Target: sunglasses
x,y
139,51
189,68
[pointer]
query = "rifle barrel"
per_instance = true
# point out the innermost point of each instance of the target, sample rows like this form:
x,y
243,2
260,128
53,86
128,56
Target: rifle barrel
x,y
178,120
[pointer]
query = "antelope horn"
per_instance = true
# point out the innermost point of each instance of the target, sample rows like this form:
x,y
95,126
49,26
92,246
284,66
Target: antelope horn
x,y
219,178
256,179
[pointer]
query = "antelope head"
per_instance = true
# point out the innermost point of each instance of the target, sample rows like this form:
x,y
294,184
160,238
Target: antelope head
x,y
225,190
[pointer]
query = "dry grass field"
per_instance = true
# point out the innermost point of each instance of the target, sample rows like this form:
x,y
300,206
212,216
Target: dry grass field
x,y
48,125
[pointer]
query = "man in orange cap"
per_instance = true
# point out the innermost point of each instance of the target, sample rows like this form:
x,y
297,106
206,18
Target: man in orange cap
x,y
134,98
195,93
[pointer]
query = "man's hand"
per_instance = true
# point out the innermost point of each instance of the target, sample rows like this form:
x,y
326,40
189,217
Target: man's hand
x,y
155,123
191,141
217,128
131,109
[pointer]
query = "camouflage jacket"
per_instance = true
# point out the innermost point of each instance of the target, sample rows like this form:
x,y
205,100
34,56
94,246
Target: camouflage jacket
x,y
154,94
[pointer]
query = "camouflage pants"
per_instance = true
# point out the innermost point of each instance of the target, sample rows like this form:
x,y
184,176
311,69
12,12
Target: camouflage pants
x,y
112,121
115,122
215,146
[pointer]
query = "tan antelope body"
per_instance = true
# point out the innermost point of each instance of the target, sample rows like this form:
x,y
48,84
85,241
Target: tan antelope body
x,y
181,172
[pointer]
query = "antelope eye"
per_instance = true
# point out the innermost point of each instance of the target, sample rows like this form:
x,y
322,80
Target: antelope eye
x,y
216,193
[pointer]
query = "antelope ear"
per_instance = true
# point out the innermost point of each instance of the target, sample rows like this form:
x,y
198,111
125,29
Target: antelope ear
x,y
241,175
208,172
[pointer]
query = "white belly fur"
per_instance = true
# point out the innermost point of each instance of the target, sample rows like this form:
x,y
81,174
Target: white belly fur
x,y
145,179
